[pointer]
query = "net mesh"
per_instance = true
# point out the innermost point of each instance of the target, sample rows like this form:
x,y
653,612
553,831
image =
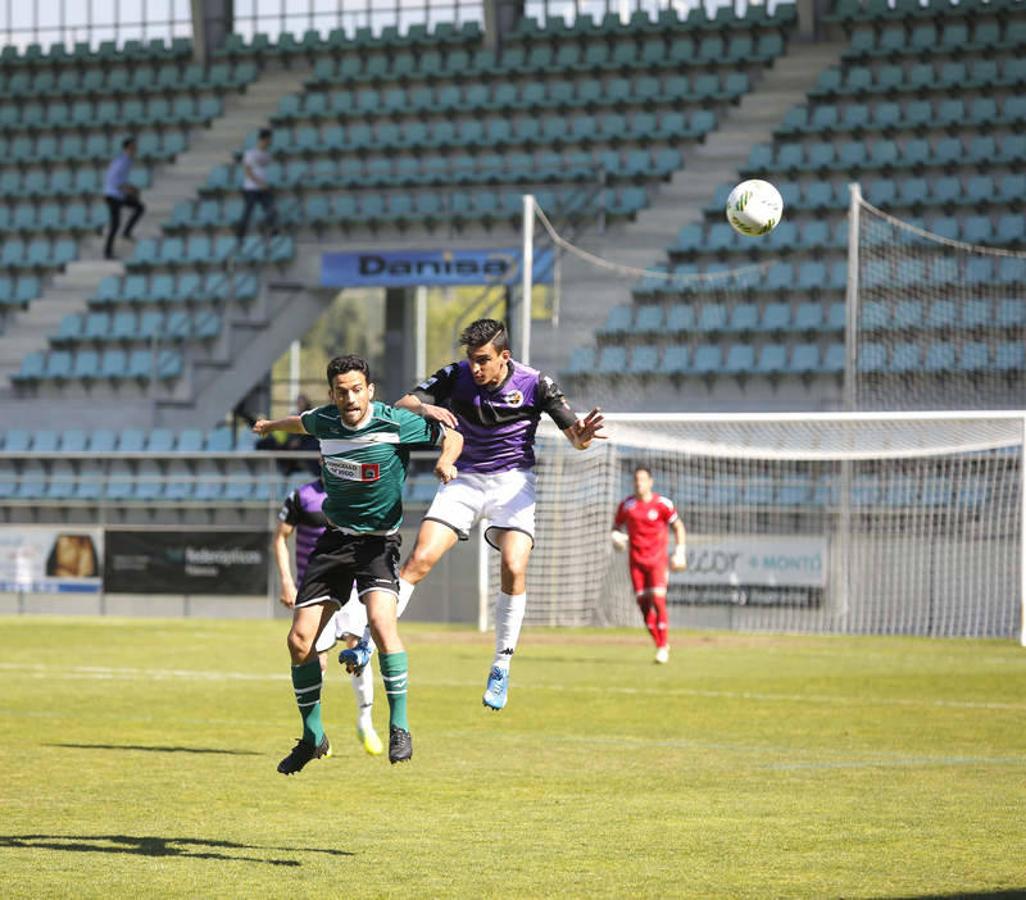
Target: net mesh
x,y
815,524
665,324
940,324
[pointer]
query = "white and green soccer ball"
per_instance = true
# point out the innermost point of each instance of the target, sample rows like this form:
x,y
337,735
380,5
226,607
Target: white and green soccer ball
x,y
754,207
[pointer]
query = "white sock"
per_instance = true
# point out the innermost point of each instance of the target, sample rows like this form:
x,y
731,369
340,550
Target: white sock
x,y
405,592
363,688
509,616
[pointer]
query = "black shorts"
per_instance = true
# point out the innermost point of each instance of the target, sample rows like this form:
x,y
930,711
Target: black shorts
x,y
338,559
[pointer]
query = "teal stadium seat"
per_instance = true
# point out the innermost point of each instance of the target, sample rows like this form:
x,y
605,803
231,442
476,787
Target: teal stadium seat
x,y
772,359
740,359
644,360
744,318
676,360
776,317
707,360
805,359
1010,356
940,357
1010,313
612,360
582,361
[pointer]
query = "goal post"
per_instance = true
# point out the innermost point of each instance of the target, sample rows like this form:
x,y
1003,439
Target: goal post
x,y
838,523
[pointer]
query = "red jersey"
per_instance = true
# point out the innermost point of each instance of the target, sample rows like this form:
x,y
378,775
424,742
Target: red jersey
x,y
648,527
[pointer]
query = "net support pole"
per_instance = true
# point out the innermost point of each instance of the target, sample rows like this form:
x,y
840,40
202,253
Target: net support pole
x,y
527,281
1022,534
851,297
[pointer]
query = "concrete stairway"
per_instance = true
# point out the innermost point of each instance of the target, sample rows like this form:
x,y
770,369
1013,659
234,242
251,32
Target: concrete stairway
x,y
210,147
588,293
69,292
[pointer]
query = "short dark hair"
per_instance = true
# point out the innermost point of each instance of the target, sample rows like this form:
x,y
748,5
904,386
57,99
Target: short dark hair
x,y
349,363
128,142
486,331
263,133
644,469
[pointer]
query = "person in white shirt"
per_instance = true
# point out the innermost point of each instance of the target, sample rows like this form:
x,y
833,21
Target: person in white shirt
x,y
119,192
255,187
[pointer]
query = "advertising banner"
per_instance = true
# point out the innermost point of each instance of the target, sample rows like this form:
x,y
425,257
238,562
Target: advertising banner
x,y
187,562
433,268
53,560
765,570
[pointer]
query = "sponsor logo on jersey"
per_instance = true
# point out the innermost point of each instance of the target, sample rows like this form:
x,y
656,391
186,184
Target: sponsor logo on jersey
x,y
513,398
350,470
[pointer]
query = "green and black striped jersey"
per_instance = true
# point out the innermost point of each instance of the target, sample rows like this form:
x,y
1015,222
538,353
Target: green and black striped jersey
x,y
365,467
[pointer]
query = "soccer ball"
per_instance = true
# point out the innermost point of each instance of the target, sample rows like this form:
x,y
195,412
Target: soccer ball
x,y
754,207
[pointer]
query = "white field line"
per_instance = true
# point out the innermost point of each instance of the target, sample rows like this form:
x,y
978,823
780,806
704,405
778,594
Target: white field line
x,y
43,671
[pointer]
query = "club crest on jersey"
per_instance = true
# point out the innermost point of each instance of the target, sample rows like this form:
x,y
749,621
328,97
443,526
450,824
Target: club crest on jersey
x,y
652,515
513,398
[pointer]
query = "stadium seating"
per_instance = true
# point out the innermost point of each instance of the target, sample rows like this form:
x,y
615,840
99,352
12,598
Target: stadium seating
x,y
926,112
63,115
136,466
467,128
421,130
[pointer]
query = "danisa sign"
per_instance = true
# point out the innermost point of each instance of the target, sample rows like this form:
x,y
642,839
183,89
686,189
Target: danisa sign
x,y
436,268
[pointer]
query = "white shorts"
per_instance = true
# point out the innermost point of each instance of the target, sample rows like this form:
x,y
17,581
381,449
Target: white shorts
x,y
505,499
350,619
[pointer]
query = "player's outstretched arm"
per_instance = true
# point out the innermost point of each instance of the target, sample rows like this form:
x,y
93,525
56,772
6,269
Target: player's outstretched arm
x,y
290,425
452,447
414,404
585,430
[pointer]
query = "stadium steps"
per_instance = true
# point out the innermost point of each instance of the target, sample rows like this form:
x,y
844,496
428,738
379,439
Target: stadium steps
x,y
68,293
290,304
589,294
210,147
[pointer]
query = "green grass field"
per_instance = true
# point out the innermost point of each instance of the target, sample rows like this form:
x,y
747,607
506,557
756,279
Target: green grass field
x,y
139,757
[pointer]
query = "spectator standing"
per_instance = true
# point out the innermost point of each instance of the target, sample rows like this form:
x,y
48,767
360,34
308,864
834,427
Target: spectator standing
x,y
255,187
118,192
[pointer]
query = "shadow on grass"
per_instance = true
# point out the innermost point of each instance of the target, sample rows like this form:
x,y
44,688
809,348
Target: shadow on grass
x,y
182,848
154,749
969,895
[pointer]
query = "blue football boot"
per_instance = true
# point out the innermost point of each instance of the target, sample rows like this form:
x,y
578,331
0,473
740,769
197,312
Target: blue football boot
x,y
355,659
495,692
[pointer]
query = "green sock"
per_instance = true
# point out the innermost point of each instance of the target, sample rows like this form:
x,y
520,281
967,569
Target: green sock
x,y
394,674
306,679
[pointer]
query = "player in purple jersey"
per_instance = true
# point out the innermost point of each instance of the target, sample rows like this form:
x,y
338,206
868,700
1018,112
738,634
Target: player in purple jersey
x,y
496,403
301,515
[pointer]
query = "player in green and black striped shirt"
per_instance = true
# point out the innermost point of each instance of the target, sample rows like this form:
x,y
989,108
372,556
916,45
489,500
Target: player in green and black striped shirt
x,y
365,450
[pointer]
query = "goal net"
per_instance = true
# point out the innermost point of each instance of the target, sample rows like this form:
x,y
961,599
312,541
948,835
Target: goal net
x,y
858,523
935,322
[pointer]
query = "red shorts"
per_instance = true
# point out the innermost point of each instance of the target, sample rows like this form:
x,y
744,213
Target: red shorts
x,y
649,578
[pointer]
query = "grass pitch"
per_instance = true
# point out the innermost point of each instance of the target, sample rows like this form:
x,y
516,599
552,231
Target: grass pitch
x,y
139,758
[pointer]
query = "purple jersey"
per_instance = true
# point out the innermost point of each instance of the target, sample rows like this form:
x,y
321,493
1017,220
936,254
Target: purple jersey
x,y
498,423
302,510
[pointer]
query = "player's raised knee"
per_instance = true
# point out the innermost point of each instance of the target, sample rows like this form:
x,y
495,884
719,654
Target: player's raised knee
x,y
418,565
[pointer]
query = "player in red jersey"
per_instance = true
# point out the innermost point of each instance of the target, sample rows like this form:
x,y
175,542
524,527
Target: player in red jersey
x,y
643,522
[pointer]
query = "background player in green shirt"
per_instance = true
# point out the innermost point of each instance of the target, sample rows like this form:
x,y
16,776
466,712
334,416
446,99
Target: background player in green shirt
x,y
365,449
